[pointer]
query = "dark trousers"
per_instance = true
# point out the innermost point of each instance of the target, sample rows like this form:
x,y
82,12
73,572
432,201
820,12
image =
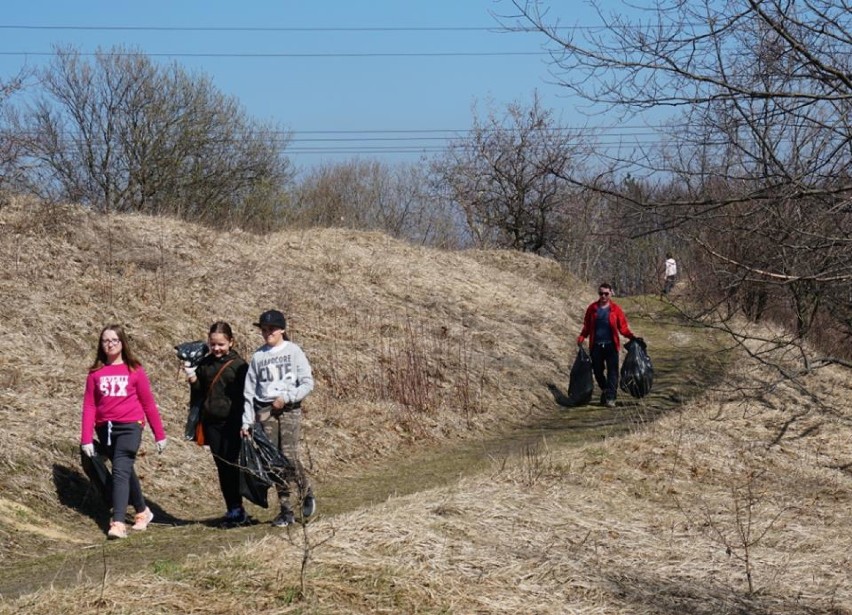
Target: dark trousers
x,y
121,441
669,285
605,367
223,438
284,432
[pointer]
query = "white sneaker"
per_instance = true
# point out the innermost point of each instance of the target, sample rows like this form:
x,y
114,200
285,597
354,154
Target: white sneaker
x,y
142,520
117,529
284,518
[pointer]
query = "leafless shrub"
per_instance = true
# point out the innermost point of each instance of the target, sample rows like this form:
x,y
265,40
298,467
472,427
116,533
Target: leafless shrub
x,y
756,151
121,134
747,521
506,178
373,196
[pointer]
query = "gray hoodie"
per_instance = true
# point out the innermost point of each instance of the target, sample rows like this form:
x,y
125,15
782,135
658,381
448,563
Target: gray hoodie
x,y
276,371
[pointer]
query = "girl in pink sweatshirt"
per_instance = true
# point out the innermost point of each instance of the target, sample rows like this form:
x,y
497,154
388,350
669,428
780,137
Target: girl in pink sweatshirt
x,y
116,404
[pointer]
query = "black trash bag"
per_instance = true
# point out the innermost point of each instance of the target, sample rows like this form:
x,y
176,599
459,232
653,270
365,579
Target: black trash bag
x,y
192,418
262,465
192,352
96,470
637,372
278,468
581,385
254,482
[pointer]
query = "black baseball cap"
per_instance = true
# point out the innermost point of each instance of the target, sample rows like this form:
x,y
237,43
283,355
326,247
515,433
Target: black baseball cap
x,y
272,318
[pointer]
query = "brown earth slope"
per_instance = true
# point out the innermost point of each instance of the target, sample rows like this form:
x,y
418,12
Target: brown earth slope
x,y
737,502
409,346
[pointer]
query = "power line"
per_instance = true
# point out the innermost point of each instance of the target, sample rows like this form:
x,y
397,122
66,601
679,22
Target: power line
x,y
500,29
435,54
331,148
450,133
622,128
356,147
286,28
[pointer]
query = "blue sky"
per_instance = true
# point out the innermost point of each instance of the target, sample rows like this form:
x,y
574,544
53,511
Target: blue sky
x,y
316,95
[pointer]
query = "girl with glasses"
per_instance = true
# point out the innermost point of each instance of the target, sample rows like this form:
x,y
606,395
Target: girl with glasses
x,y
117,403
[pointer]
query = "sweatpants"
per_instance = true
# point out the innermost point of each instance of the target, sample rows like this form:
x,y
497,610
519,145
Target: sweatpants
x,y
121,442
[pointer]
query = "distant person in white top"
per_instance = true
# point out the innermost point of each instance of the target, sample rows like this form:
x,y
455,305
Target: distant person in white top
x,y
671,273
278,379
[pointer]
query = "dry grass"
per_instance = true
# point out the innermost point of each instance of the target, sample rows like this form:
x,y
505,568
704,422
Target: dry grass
x,y
738,503
479,331
625,526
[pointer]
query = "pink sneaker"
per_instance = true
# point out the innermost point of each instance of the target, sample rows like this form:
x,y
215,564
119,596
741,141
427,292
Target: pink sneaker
x,y
142,520
117,529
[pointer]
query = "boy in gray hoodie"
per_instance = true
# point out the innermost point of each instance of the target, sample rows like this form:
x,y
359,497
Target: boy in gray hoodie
x,y
278,379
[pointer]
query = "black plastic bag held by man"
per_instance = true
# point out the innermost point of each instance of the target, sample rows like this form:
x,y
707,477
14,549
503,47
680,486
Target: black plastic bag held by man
x,y
581,384
637,372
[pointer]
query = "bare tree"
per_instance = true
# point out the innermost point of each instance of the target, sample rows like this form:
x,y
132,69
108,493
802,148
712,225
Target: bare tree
x,y
507,178
371,195
11,153
759,147
123,134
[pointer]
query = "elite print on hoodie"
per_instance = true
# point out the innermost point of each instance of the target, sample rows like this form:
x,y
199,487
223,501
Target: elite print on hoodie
x,y
276,371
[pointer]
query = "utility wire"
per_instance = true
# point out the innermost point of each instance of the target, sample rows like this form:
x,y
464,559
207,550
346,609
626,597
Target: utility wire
x,y
619,130
499,29
436,54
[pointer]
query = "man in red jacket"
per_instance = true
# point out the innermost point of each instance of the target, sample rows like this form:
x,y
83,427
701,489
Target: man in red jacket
x,y
602,324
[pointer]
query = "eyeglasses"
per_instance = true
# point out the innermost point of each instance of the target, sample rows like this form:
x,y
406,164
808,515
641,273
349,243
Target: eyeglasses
x,y
603,294
110,342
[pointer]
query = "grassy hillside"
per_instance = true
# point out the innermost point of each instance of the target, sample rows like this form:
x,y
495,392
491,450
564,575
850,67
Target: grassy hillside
x,y
737,500
408,344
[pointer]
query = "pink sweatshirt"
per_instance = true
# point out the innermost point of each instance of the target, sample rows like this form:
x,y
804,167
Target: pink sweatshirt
x,y
121,395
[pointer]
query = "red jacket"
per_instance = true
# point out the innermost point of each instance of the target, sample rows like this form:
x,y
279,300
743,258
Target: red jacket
x,y
617,323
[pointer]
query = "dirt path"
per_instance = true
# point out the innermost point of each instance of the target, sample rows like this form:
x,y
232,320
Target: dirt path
x,y
683,368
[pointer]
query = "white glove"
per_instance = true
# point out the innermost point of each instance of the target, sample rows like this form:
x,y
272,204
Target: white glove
x,y
189,369
88,449
161,445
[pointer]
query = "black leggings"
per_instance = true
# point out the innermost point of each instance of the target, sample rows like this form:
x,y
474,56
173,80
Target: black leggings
x,y
224,441
121,442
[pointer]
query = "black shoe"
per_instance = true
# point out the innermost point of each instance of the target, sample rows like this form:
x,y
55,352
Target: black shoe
x,y
603,399
235,516
284,518
309,506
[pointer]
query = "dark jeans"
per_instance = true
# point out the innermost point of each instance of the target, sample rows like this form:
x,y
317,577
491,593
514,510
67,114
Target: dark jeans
x,y
605,367
669,285
223,438
121,441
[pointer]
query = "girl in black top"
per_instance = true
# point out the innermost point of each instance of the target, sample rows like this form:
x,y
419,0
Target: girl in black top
x,y
216,386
